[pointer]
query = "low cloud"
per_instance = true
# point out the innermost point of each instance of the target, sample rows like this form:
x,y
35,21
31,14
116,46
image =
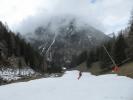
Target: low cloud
x,y
105,15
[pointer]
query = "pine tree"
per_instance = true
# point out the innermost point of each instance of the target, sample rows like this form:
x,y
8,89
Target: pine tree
x,y
119,48
82,57
18,47
130,39
103,56
90,59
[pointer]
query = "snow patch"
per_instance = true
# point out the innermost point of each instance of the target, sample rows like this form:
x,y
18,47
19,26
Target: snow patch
x,y
9,74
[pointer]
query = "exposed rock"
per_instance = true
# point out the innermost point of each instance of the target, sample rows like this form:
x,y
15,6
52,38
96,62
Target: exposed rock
x,y
66,42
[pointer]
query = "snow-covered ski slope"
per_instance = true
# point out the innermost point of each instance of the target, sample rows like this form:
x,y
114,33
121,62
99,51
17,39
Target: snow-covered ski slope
x,y
67,87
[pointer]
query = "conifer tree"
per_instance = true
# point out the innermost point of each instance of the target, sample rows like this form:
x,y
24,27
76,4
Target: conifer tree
x,y
130,39
119,49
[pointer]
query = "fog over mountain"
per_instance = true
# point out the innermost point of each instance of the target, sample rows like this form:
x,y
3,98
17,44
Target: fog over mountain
x,y
62,29
105,15
62,40
53,36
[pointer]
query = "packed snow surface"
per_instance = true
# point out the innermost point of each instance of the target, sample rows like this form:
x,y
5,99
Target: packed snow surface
x,y
68,87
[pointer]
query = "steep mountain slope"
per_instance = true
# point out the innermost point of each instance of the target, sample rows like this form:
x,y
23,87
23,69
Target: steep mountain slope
x,y
62,42
15,52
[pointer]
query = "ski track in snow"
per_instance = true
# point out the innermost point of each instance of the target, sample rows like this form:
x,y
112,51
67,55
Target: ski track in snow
x,y
67,87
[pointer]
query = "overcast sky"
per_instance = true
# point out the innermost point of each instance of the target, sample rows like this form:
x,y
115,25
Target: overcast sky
x,y
106,15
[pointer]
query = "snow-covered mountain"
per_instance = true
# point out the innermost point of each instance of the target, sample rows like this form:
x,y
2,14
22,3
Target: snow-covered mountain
x,y
61,41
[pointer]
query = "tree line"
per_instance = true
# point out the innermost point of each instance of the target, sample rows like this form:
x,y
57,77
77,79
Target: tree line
x,y
18,47
119,47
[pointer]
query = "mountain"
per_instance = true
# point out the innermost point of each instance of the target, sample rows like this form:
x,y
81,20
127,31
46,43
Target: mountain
x,y
62,41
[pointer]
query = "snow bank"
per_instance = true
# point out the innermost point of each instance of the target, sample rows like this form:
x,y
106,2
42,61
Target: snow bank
x,y
8,74
88,87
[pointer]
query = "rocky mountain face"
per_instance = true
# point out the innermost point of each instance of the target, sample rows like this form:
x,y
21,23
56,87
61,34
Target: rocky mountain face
x,y
61,43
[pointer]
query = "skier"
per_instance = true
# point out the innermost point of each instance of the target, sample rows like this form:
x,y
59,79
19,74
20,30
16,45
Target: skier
x,y
80,74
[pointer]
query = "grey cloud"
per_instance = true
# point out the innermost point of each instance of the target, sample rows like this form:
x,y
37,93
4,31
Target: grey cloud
x,y
105,15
